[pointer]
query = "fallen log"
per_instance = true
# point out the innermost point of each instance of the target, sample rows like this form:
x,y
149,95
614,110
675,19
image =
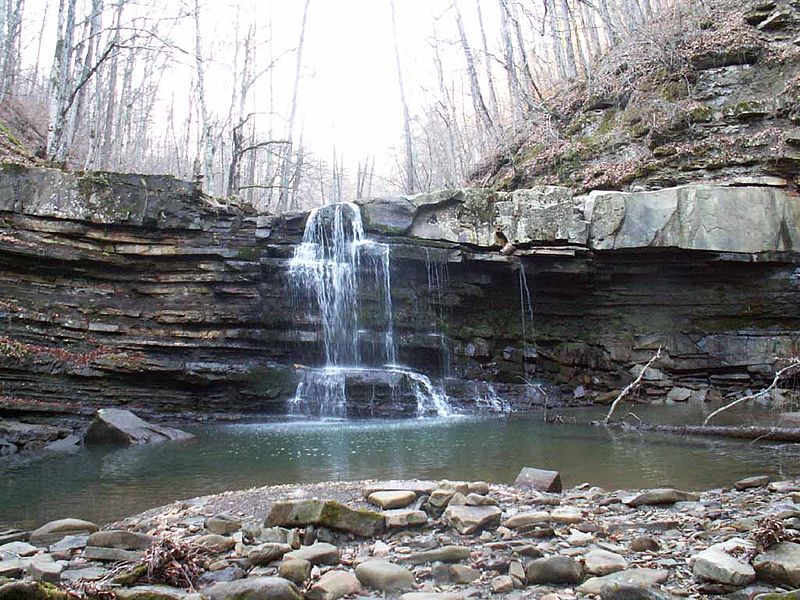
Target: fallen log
x,y
771,434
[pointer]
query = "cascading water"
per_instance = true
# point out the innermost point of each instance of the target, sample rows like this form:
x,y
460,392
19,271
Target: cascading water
x,y
526,313
436,270
329,266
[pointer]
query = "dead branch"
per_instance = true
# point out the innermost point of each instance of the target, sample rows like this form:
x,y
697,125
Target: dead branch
x,y
794,364
631,386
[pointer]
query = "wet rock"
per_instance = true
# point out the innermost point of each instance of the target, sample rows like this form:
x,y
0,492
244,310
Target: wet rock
x,y
780,564
223,524
720,563
384,576
119,538
85,573
659,496
319,553
254,588
69,543
389,500
327,513
216,543
118,426
469,519
154,592
69,444
445,554
751,482
51,532
602,562
541,480
479,500
334,585
402,517
629,577
554,569
297,570
111,554
263,554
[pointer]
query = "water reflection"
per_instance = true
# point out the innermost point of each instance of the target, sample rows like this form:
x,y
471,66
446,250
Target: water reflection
x,y
102,484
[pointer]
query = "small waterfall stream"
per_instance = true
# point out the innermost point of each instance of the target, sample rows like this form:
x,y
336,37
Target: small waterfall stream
x,y
332,265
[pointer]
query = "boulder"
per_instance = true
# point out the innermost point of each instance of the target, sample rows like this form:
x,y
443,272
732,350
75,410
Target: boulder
x,y
334,585
52,532
392,499
263,554
602,562
154,592
469,519
215,543
327,513
660,496
120,538
553,569
538,479
254,588
780,564
695,217
384,576
118,426
629,577
404,518
445,554
297,570
721,563
223,524
752,482
318,553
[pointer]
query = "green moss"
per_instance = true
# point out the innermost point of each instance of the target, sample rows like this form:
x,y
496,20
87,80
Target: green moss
x,y
13,168
90,182
746,109
131,576
674,91
4,129
700,114
249,253
271,382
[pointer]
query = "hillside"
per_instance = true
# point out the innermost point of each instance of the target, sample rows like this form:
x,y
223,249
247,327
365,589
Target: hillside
x,y
709,91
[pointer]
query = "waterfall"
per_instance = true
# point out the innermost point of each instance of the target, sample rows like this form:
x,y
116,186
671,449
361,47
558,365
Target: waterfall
x,y
526,313
436,271
330,265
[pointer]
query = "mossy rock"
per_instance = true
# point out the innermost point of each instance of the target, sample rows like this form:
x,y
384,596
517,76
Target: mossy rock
x,y
747,109
31,590
700,114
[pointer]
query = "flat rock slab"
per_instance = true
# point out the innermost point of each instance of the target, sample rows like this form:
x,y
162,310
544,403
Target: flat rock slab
x,y
319,553
328,513
154,592
392,499
334,585
403,517
602,562
469,519
118,426
120,538
780,564
17,549
445,554
660,496
223,524
526,519
721,563
540,480
384,576
254,588
54,531
749,483
628,577
420,488
111,554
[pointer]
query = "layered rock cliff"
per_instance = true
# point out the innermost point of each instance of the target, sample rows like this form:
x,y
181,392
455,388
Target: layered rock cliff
x,y
139,290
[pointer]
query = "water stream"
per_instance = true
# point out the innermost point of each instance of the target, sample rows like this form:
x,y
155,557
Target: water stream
x,y
331,268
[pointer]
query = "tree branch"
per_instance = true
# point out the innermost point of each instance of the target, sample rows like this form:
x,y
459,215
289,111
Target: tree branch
x,y
631,386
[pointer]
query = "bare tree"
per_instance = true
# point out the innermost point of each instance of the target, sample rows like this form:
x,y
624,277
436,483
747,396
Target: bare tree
x,y
409,183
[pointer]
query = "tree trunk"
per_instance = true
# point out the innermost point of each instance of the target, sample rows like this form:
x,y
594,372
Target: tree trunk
x,y
59,81
514,88
487,65
409,183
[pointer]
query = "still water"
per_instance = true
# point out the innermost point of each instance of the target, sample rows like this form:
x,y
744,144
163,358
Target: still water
x,y
103,484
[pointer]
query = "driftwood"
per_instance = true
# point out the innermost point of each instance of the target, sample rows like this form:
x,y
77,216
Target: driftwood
x,y
771,434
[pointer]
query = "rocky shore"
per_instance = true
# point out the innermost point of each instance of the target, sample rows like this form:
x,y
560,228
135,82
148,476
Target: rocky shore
x,y
424,540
